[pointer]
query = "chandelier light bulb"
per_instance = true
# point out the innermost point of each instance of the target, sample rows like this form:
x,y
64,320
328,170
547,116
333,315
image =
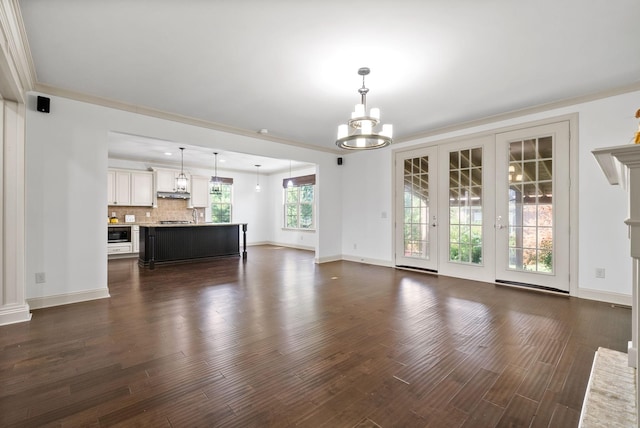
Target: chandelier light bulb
x,y
366,127
343,131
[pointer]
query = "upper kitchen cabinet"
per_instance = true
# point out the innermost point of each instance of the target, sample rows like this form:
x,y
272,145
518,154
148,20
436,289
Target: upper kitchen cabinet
x,y
166,180
118,187
129,188
199,191
142,189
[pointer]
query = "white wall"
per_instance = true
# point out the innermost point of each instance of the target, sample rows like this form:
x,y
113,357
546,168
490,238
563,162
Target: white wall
x,y
66,185
367,228
602,235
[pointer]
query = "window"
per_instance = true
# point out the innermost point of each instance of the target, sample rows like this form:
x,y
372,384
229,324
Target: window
x,y
221,204
299,202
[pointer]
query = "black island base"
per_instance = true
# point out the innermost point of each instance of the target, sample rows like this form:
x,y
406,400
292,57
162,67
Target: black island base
x,y
180,243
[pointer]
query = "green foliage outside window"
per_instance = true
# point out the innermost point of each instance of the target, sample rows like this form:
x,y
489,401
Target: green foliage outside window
x,y
298,208
221,205
466,244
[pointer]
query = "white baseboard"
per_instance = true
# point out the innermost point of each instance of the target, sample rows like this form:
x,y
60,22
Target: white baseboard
x,y
11,314
605,296
328,259
367,261
65,299
297,247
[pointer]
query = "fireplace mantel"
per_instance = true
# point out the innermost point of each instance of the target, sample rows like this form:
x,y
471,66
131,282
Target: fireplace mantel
x,y
621,166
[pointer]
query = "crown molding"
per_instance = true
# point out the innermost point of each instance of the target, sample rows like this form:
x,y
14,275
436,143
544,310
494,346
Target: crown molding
x,y
160,114
524,112
16,65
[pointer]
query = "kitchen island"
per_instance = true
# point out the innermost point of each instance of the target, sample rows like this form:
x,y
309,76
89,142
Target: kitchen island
x,y
179,243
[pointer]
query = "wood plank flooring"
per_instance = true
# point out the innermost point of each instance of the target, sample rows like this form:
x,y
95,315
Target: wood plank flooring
x,y
280,341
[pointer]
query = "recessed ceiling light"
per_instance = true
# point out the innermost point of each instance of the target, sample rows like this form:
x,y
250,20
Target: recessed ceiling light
x,y
168,153
223,160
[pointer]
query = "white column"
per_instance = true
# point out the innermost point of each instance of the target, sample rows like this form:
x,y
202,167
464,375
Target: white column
x,y
13,306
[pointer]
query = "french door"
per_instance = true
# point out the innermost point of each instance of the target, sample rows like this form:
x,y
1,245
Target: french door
x,y
490,208
416,184
532,206
466,206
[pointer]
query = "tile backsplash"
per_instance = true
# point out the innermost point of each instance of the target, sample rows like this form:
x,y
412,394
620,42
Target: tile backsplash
x,y
168,209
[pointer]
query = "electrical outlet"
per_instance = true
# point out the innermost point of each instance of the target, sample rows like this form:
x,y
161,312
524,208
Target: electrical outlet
x,y
40,278
148,214
599,272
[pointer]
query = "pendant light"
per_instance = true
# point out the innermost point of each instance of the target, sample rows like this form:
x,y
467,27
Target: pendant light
x,y
181,179
215,187
257,178
359,133
290,182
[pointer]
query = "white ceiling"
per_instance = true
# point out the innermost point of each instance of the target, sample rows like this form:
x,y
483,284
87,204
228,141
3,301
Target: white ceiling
x,y
162,153
291,66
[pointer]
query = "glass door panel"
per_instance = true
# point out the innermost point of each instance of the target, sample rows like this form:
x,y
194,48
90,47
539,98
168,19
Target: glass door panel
x,y
467,242
416,236
465,206
533,206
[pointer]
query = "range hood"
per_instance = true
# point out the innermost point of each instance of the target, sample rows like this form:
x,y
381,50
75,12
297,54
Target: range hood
x,y
174,195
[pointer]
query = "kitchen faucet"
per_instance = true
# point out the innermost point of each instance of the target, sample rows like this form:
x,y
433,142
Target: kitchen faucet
x,y
194,214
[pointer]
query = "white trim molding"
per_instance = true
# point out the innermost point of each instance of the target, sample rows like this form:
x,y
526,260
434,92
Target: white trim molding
x,y
11,314
368,261
605,296
65,299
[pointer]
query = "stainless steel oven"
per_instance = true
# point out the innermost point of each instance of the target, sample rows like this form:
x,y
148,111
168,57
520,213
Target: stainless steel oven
x,y
118,234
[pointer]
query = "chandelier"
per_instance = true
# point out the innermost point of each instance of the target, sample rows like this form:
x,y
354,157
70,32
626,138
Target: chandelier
x,y
359,133
258,177
181,179
215,187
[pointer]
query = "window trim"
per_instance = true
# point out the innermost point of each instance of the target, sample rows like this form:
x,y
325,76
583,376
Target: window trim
x,y
308,180
229,183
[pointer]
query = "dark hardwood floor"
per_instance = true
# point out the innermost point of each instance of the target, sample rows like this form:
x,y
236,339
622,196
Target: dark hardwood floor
x,y
281,341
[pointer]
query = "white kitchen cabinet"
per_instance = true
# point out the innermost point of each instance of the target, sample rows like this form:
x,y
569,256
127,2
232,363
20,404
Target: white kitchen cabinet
x,y
142,188
119,248
166,180
199,191
111,187
129,188
118,187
